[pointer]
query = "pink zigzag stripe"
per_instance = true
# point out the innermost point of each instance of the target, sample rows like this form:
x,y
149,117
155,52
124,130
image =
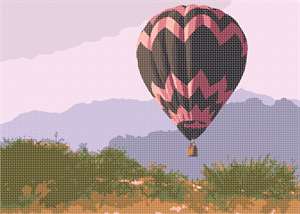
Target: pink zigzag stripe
x,y
144,39
184,11
200,81
222,36
184,34
205,117
180,9
219,13
195,125
193,6
170,24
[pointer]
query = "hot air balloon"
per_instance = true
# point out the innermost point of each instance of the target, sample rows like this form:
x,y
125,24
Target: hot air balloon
x,y
191,59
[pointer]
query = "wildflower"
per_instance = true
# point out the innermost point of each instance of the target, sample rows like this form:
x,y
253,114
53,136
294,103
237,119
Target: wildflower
x,y
183,206
176,209
137,182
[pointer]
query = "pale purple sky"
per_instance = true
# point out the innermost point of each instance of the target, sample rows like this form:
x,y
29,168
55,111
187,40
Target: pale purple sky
x,y
58,53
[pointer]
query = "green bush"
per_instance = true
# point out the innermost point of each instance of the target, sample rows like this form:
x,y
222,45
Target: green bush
x,y
75,182
70,175
165,186
25,162
259,179
114,166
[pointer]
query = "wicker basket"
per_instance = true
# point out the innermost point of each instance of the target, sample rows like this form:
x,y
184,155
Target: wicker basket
x,y
192,150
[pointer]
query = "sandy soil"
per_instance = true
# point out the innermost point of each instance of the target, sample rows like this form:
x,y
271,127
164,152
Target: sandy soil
x,y
192,205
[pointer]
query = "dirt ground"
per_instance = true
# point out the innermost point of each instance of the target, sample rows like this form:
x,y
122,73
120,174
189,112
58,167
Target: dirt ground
x,y
193,204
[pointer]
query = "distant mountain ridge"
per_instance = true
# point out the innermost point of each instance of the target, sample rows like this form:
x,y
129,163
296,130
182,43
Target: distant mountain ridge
x,y
243,130
241,95
98,122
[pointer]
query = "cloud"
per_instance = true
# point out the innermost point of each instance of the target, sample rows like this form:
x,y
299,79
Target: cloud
x,y
108,69
91,71
34,27
272,32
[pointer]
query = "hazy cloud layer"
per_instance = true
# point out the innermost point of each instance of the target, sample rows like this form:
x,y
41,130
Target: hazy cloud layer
x,y
91,71
108,69
32,27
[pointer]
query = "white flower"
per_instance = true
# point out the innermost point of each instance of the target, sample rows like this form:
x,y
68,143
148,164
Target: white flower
x,y
137,182
176,209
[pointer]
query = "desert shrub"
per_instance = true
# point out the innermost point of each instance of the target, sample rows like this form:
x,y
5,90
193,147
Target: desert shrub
x,y
26,162
165,185
76,182
120,188
265,178
114,166
69,175
82,170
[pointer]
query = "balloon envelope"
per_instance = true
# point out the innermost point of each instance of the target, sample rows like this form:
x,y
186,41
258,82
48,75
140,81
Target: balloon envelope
x,y
191,59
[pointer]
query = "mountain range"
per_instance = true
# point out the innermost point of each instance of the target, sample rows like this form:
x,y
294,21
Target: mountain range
x,y
98,122
249,126
247,130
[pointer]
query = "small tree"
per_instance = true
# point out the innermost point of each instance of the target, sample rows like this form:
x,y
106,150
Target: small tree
x,y
57,139
83,148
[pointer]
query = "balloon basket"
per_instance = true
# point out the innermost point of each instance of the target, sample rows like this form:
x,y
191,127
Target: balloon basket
x,y
192,150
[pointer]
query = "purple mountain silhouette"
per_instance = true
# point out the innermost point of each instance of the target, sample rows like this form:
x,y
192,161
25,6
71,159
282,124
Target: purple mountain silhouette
x,y
242,95
95,123
100,121
242,130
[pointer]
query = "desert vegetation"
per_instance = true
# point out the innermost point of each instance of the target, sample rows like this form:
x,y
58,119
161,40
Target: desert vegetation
x,y
49,176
